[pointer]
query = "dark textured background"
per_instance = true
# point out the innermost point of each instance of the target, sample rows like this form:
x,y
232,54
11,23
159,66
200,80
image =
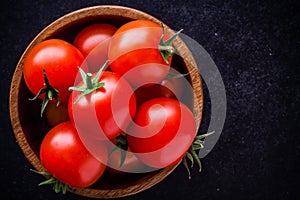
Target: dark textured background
x,y
255,45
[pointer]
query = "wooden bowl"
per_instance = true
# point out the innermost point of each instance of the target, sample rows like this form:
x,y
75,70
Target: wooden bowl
x,y
29,128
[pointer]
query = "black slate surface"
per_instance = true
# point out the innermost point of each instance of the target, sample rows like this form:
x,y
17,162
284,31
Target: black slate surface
x,y
255,45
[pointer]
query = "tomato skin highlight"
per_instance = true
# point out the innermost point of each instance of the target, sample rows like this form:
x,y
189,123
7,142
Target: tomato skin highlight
x,y
168,145
60,60
65,157
106,112
135,46
93,42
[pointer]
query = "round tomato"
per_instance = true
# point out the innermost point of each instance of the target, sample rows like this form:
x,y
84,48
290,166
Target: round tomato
x,y
59,60
105,112
170,88
137,51
65,157
163,131
176,88
56,114
93,42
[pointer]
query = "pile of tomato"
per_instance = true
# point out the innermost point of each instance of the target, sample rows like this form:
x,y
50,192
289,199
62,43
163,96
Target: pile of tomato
x,y
112,100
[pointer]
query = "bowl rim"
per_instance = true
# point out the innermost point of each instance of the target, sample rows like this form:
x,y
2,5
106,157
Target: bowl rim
x,y
61,22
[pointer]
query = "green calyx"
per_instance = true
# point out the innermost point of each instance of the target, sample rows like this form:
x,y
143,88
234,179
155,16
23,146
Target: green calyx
x,y
192,155
90,84
122,144
50,93
58,186
165,48
173,76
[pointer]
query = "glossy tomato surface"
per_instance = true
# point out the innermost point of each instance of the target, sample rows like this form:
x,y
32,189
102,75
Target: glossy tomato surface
x,y
60,60
164,129
93,42
106,112
65,157
133,52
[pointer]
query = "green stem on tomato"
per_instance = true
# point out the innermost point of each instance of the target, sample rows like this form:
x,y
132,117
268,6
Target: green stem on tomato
x,y
122,144
192,155
90,83
58,186
165,48
49,91
186,167
173,76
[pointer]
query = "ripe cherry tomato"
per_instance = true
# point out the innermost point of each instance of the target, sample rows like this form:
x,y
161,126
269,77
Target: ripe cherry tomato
x,y
166,129
105,112
135,46
56,114
65,157
93,42
175,88
170,88
60,60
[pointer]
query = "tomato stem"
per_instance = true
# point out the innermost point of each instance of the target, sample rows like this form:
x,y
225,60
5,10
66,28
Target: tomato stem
x,y
186,167
122,144
172,76
58,186
50,93
165,48
191,154
90,83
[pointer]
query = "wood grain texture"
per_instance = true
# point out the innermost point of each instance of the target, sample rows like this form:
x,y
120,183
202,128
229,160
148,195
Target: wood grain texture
x,y
29,128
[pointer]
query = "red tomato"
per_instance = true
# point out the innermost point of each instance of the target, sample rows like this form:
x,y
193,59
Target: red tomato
x,y
170,88
60,60
134,46
107,111
175,88
56,114
166,129
66,158
93,42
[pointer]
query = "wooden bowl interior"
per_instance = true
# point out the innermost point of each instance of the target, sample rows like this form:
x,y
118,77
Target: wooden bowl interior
x,y
30,128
